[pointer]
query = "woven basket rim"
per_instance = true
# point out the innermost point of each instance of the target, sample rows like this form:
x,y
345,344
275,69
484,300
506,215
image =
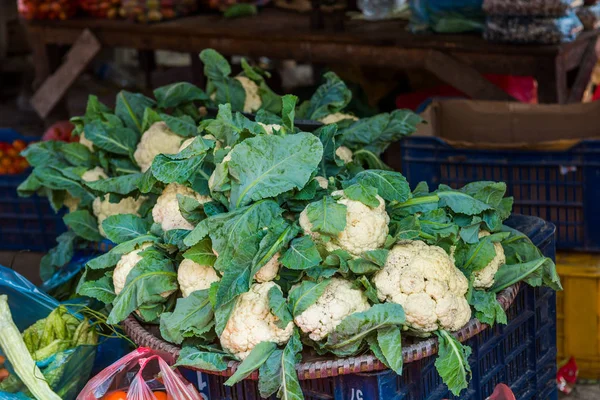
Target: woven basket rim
x,y
332,367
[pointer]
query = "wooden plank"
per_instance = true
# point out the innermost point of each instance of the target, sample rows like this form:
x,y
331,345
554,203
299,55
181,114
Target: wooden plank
x,y
586,67
55,87
464,78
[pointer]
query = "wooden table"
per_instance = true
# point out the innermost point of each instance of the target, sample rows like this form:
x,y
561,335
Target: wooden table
x,y
457,59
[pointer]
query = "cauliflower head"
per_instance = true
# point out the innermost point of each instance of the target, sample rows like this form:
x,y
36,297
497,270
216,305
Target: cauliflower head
x,y
345,154
103,208
166,211
337,117
484,278
86,142
424,280
125,265
337,302
94,174
366,227
252,101
72,203
158,139
269,271
193,276
270,128
252,322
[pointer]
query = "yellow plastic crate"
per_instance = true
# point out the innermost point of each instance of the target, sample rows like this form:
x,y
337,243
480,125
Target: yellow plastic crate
x,y
578,311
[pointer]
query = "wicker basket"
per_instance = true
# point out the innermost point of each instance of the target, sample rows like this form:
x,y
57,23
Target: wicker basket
x,y
319,367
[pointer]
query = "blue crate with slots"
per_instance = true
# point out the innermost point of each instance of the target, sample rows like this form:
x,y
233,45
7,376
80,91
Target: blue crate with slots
x,y
559,186
25,223
521,354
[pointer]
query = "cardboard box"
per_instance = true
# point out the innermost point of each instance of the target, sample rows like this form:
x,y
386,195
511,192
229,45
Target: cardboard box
x,y
505,125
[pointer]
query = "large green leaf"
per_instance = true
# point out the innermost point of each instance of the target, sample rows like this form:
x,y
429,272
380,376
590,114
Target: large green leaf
x,y
192,316
101,289
201,253
228,127
366,194
305,295
302,254
278,373
452,362
204,360
349,335
330,98
130,108
257,357
390,185
121,228
178,93
279,307
390,342
268,165
327,216
58,256
118,140
151,277
83,224
376,133
109,259
487,308
122,185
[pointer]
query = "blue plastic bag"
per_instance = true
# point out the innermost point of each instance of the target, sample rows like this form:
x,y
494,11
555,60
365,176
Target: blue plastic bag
x,y
67,372
446,16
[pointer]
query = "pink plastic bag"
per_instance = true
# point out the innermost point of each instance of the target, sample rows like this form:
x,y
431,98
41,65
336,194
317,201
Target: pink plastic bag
x,y
137,374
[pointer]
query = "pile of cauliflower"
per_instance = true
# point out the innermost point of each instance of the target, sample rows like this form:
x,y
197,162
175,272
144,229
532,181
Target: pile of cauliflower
x,y
247,240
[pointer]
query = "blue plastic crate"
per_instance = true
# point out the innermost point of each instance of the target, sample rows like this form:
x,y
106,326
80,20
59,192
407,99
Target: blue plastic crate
x,y
25,223
559,186
521,354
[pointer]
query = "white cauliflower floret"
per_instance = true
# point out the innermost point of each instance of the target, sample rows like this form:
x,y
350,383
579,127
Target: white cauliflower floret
x,y
345,154
252,322
269,271
72,203
323,182
158,139
366,227
252,102
94,174
270,128
337,117
193,276
103,208
424,280
337,302
484,278
86,142
166,211
125,265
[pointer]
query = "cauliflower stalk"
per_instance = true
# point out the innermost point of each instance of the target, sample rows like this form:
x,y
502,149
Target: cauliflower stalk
x,y
158,139
424,280
338,301
366,227
252,322
166,211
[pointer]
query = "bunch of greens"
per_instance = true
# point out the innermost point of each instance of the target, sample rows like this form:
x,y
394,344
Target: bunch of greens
x,y
51,342
258,195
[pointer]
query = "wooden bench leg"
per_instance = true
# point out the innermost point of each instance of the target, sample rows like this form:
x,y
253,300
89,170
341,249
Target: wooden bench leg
x,y
586,67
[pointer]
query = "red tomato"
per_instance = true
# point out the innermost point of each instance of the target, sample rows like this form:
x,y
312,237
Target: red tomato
x,y
118,395
60,131
12,152
3,170
19,144
5,162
